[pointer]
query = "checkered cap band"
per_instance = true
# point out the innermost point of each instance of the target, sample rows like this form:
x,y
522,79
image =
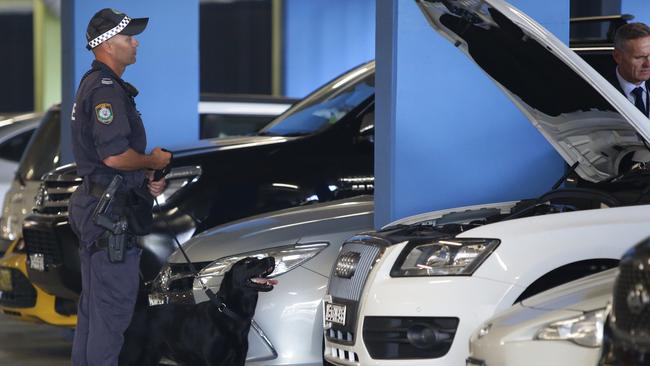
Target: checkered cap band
x,y
110,33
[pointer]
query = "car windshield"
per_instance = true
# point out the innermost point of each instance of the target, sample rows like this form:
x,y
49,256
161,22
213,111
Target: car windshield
x,y
42,153
327,105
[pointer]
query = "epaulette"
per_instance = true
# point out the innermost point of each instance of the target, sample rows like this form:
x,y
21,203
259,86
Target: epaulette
x,y
106,81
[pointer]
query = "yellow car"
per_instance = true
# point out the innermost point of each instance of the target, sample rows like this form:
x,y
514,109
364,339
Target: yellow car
x,y
19,297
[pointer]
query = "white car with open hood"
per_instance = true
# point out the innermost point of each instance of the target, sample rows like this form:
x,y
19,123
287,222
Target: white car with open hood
x,y
413,292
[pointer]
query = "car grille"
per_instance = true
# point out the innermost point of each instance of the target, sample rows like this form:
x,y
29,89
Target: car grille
x,y
351,288
39,241
22,295
631,304
348,277
54,194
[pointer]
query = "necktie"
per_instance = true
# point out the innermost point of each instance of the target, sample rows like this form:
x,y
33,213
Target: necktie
x,y
638,100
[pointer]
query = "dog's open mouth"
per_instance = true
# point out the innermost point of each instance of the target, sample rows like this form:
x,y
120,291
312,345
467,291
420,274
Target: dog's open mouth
x,y
262,283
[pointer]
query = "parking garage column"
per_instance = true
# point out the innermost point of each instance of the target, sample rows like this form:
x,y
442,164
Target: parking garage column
x,y
446,136
166,72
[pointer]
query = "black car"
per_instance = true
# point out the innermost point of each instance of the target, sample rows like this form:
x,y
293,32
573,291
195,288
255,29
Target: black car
x,y
626,338
320,149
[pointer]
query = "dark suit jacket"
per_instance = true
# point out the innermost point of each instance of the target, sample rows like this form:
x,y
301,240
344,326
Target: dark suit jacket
x,y
611,77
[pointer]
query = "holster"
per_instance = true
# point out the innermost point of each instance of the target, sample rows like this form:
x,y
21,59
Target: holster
x,y
115,244
135,206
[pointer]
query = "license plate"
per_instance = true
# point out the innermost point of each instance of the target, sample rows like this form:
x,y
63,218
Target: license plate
x,y
335,313
156,299
37,262
5,280
474,362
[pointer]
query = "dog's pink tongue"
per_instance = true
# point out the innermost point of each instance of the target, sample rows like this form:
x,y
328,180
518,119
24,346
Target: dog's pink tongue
x,y
265,281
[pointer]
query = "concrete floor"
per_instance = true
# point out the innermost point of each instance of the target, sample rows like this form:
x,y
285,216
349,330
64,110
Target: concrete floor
x,y
28,344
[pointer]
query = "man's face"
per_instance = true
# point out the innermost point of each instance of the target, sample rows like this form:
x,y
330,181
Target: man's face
x,y
633,60
123,49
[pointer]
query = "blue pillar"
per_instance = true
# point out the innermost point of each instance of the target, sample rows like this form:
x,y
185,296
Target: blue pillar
x,y
324,38
639,8
446,136
166,72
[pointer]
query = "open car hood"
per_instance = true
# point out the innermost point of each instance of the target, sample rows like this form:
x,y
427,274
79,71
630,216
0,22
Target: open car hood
x,y
579,112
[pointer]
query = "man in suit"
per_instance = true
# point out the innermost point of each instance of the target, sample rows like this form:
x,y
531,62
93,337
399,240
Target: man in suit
x,y
632,55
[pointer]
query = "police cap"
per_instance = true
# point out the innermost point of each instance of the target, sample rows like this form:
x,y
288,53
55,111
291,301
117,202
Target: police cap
x,y
107,23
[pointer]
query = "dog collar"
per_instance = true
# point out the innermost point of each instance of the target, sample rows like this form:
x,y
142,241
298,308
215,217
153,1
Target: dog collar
x,y
222,307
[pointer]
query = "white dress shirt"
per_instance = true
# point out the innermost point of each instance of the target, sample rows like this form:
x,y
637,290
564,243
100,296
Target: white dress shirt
x,y
628,87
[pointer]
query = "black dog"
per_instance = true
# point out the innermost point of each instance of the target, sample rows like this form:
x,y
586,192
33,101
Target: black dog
x,y
201,334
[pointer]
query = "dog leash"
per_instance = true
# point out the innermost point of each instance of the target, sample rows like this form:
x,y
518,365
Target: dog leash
x,y
214,298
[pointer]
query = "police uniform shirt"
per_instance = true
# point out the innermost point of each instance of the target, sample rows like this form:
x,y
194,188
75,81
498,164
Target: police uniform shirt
x,y
105,122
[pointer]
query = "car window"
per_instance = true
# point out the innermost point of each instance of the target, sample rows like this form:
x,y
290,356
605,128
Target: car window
x,y
367,126
325,107
42,153
13,148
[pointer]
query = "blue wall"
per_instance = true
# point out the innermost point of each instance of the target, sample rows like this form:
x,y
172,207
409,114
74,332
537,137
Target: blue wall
x,y
639,8
446,135
166,72
324,38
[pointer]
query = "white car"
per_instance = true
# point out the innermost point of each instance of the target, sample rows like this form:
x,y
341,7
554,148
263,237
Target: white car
x,y
561,326
412,293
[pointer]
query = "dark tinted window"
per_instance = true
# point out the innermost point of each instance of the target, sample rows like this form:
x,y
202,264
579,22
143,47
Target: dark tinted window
x,y
326,106
42,153
13,148
221,125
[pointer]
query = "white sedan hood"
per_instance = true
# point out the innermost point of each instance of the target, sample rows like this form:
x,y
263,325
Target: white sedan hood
x,y
579,112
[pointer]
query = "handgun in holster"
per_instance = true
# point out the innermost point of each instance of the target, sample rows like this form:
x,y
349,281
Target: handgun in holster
x,y
117,228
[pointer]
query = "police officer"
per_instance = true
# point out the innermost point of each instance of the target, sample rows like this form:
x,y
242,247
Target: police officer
x,y
108,138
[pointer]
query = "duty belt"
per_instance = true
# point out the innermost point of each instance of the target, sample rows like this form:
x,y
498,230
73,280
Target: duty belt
x,y
102,243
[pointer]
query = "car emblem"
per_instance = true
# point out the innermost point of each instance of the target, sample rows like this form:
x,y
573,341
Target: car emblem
x,y
637,299
39,199
347,264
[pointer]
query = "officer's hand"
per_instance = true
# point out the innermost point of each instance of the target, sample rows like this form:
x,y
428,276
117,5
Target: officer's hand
x,y
159,158
156,187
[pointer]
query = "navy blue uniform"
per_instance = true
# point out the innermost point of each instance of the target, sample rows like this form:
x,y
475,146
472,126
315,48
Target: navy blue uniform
x,y
105,122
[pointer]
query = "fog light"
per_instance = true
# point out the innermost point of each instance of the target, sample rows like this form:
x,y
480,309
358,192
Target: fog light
x,y
421,336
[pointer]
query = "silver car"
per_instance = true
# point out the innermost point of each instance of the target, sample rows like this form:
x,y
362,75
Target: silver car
x,y
287,327
40,155
15,134
561,326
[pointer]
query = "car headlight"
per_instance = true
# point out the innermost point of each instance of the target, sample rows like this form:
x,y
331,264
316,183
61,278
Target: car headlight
x,y
585,330
20,246
175,277
9,228
163,279
178,178
286,258
454,257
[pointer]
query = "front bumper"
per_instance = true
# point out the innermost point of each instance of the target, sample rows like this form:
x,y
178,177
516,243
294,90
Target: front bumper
x,y
470,300
29,302
510,341
287,327
49,240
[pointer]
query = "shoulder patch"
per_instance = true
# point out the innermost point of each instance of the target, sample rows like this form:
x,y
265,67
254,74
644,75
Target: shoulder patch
x,y
104,113
107,81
